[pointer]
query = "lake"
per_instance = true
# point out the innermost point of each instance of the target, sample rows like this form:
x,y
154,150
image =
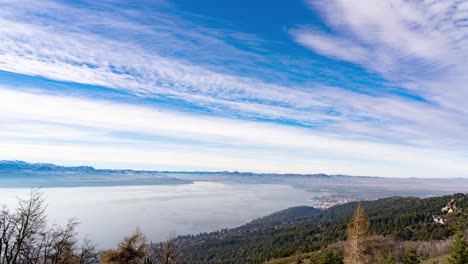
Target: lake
x,y
107,214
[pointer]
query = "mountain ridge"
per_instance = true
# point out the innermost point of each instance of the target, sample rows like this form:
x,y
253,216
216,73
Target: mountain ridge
x,y
19,164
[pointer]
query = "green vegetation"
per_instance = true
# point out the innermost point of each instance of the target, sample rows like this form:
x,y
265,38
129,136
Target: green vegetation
x,y
389,258
411,257
459,251
330,257
325,257
394,230
392,222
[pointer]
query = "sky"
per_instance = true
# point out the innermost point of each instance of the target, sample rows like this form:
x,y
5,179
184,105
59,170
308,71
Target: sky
x,y
360,87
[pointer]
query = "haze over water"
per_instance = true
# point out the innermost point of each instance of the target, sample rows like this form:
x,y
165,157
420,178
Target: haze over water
x,y
106,214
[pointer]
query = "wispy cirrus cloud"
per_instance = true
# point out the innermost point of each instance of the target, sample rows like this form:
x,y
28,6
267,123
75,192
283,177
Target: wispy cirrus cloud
x,y
420,46
406,41
153,52
329,45
64,123
67,57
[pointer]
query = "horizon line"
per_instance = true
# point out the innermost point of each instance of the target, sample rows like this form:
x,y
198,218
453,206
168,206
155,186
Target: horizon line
x,y
225,171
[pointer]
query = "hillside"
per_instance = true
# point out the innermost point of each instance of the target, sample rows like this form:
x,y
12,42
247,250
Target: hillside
x,y
305,229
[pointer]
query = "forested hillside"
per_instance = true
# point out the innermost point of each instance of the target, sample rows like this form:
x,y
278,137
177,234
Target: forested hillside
x,y
408,229
306,229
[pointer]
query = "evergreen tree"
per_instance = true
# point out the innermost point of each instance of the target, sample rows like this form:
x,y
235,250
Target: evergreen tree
x,y
459,251
411,257
358,233
330,257
389,258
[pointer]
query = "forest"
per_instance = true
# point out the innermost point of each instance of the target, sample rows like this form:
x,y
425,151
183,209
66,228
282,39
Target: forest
x,y
395,223
391,230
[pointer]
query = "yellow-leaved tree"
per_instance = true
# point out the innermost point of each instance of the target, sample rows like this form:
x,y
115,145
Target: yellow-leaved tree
x,y
357,238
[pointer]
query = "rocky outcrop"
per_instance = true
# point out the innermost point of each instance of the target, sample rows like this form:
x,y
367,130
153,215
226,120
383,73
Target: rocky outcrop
x,y
451,207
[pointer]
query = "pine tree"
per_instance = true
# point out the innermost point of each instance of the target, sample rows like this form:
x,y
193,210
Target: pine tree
x,y
358,233
411,257
330,257
389,258
459,251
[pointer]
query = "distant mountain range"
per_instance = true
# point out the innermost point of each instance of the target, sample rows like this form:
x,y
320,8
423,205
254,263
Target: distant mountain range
x,y
330,189
20,174
22,165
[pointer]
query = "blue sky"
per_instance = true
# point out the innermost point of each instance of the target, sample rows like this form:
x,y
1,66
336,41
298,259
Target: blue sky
x,y
351,87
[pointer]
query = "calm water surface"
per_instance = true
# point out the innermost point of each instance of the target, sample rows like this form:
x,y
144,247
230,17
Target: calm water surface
x,y
107,214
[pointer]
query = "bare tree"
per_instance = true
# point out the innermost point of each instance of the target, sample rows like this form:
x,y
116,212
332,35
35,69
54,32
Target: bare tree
x,y
63,242
358,233
6,232
168,253
87,252
20,230
25,237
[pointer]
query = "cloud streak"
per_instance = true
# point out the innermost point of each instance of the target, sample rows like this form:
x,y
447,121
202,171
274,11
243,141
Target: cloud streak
x,y
242,142
160,56
405,41
420,46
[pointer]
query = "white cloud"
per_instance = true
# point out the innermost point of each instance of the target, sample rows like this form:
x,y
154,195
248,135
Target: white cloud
x,y
128,67
330,45
58,42
418,45
402,39
179,140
